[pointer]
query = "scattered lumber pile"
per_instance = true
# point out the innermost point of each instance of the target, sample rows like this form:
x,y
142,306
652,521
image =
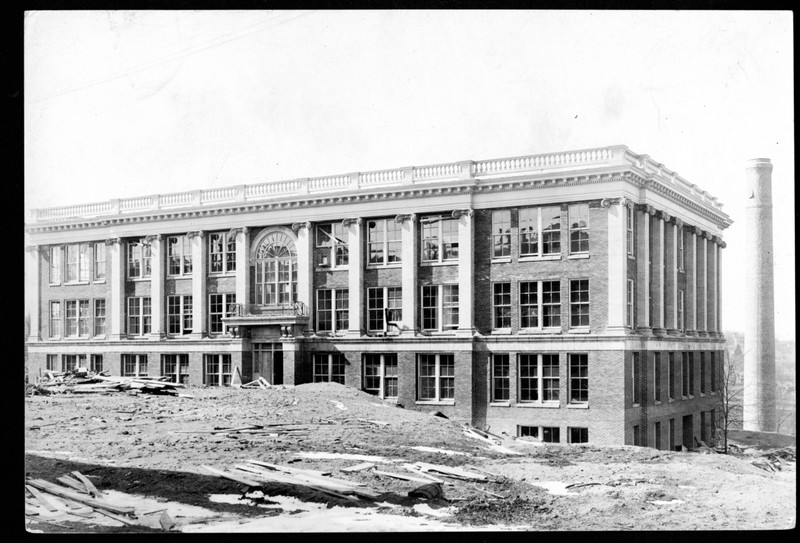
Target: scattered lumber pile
x,y
268,430
774,459
82,381
262,383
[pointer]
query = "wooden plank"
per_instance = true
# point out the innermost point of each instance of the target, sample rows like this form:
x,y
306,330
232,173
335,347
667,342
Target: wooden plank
x,y
358,467
428,476
231,476
77,485
118,518
447,470
46,502
312,481
66,493
87,483
402,477
288,469
334,490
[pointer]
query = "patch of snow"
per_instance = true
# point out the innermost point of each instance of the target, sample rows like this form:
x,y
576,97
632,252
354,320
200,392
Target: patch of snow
x,y
425,509
332,456
435,450
338,405
662,502
553,487
501,449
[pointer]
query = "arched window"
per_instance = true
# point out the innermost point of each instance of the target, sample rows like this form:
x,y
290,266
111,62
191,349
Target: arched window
x,y
276,270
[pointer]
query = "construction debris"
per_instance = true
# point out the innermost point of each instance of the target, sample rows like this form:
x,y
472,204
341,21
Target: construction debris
x,y
428,491
83,381
773,460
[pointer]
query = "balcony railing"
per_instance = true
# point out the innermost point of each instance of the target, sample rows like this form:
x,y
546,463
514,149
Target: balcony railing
x,y
295,309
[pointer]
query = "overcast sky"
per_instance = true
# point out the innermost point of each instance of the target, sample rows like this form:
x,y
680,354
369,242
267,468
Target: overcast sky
x,y
125,103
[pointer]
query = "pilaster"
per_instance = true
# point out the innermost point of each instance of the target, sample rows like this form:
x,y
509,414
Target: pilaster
x,y
712,287
355,274
305,271
657,277
33,259
702,284
408,233
116,279
466,274
157,273
691,285
617,263
642,270
670,274
242,237
199,277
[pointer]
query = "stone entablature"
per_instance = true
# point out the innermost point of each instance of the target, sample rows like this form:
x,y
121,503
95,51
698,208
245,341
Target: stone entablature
x,y
568,168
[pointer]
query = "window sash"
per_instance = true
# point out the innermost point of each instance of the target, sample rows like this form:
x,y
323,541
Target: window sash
x,y
630,236
333,310
501,378
99,261
139,258
501,233
579,229
538,377
384,244
218,369
56,264
435,377
636,379
175,367
502,305
329,368
179,255
381,300
579,378
380,375
439,239
55,319
657,377
139,317
218,305
134,365
179,315
221,253
579,303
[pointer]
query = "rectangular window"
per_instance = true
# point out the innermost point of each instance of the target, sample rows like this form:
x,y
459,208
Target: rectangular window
x,y
179,315
578,229
96,363
179,255
77,262
630,298
380,374
218,370
219,306
501,233
636,376
71,362
671,376
335,237
99,261
691,375
139,256
384,241
501,377
538,378
537,223
657,376
578,378
551,434
528,431
713,372
439,307
684,374
502,305
679,231
657,432
579,303
439,239
630,235
529,308
78,318
329,368
637,436
99,317
436,377
56,265
139,318
530,295
702,373
681,323
384,304
134,365
55,319
333,310
703,435
671,437
578,435
52,360
175,367
221,252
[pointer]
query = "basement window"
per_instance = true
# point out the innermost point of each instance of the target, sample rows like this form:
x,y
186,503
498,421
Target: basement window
x,y
329,368
578,435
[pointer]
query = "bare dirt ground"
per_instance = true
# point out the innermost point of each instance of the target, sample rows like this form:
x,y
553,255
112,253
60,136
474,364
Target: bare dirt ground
x,y
147,451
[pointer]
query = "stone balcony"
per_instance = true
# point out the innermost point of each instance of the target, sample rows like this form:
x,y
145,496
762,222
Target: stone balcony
x,y
291,318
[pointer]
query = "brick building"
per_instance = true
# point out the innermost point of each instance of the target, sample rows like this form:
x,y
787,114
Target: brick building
x,y
571,296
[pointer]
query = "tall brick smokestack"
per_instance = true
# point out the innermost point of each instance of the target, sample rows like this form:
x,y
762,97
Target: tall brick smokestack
x,y
759,337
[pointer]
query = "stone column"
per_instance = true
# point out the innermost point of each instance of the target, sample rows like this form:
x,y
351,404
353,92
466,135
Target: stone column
x,y
33,302
642,269
242,237
408,232
199,276
657,283
721,246
157,273
702,284
116,310
355,274
712,286
670,296
466,275
305,268
617,264
691,284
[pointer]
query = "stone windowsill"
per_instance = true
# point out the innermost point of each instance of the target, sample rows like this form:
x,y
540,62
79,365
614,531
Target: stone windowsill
x,y
577,406
539,331
99,281
539,405
538,258
393,266
499,404
579,256
579,331
72,283
221,274
442,263
503,260
501,332
435,402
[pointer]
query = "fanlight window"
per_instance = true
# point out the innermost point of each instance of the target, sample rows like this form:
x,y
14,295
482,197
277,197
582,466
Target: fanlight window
x,y
276,270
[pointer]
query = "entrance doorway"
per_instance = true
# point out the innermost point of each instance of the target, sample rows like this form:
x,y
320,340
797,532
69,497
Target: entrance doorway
x,y
688,431
268,362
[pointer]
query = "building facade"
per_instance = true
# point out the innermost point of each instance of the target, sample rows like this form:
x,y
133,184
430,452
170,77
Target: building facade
x,y
572,296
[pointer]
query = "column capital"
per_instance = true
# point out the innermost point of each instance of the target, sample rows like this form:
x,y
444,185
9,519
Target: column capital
x,y
641,207
651,210
665,216
113,241
678,222
31,248
196,233
297,226
459,212
697,231
718,240
148,239
623,201
237,230
407,217
708,236
351,220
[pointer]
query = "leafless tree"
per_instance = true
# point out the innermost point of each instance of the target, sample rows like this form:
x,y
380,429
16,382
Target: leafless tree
x,y
728,407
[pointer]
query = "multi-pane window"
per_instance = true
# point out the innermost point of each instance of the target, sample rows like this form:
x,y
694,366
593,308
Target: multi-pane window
x,y
219,306
691,374
333,310
138,259
630,298
637,435
436,377
77,318
179,255
439,307
329,368
703,429
384,241
579,303
217,370
538,377
636,376
630,232
384,304
657,377
702,373
96,363
99,317
380,374
71,362
175,367
55,319
671,437
540,223
77,262
439,239
713,368
671,376
139,318
501,233
334,236
578,435
99,261
578,378
549,434
179,315
52,360
679,232
221,252
578,229
134,365
501,377
681,324
685,374
540,304
657,432
501,298
55,264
